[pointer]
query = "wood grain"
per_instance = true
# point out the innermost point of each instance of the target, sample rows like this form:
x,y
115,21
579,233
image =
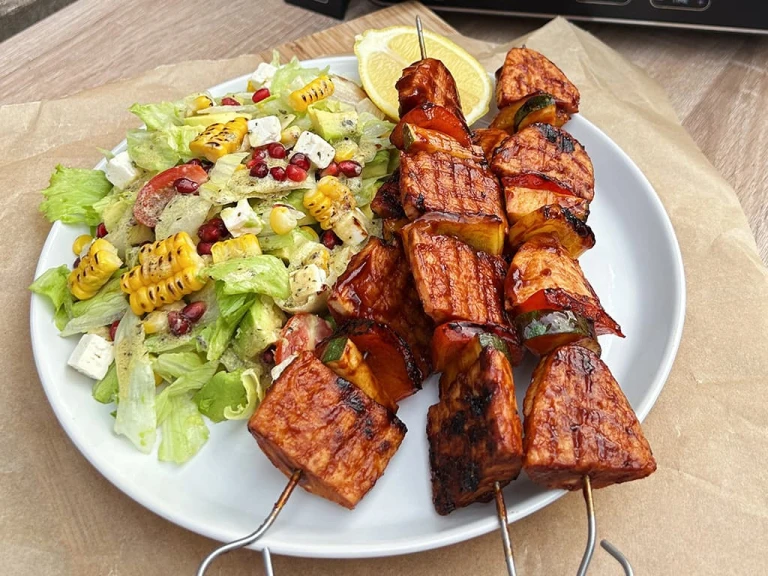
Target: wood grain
x,y
717,82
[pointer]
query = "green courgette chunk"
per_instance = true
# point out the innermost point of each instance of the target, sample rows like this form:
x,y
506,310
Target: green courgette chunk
x,y
532,105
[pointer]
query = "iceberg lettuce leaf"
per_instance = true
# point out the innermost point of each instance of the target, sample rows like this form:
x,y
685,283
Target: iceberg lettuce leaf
x,y
71,194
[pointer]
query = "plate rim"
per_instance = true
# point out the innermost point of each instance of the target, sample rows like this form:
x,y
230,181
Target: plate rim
x,y
432,541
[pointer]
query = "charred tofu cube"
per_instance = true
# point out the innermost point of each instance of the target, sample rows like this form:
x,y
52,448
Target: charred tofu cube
x,y
454,281
551,154
386,204
526,72
428,81
438,182
474,433
543,276
378,285
572,233
526,194
579,423
312,420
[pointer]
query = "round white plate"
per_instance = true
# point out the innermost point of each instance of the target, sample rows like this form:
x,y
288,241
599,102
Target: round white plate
x,y
228,488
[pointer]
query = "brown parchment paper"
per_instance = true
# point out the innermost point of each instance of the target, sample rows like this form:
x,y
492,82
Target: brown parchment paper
x,y
704,512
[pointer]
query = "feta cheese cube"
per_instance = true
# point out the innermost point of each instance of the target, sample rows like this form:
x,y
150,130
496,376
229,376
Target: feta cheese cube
x,y
264,130
306,282
262,76
351,227
92,356
319,151
121,171
241,219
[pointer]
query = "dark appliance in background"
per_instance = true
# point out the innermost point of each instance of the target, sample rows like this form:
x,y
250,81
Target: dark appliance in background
x,y
749,16
333,8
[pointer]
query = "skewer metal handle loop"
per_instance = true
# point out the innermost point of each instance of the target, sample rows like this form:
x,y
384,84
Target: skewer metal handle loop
x,y
620,558
253,537
501,509
591,526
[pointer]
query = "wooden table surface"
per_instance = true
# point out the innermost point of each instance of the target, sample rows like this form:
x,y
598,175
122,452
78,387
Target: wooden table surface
x,y
717,82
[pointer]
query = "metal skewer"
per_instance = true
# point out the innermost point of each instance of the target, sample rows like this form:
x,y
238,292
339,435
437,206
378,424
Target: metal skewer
x,y
501,510
260,531
592,537
420,34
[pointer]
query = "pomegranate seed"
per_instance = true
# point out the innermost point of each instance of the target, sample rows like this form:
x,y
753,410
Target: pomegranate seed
x,y
76,263
101,230
227,101
178,323
209,233
300,160
219,223
193,312
206,164
185,186
259,154
276,150
251,163
330,240
331,170
260,170
278,173
195,162
295,173
113,329
204,248
350,168
269,355
260,94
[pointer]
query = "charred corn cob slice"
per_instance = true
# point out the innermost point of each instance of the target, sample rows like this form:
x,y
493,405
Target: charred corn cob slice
x,y
243,246
315,91
94,270
201,103
220,139
328,200
167,271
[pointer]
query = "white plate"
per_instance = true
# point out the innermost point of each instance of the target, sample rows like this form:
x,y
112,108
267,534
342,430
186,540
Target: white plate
x,y
226,490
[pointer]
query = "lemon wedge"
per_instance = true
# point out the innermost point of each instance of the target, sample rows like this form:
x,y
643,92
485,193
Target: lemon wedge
x,y
382,55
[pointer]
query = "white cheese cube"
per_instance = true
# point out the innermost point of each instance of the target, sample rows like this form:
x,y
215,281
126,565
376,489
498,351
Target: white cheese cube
x,y
121,171
306,282
264,130
315,148
351,228
92,356
241,219
262,76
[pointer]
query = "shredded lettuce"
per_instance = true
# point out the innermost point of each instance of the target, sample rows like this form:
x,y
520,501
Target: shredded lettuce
x,y
184,213
106,389
183,431
158,150
190,381
224,168
161,115
223,391
171,366
53,285
71,194
293,76
111,208
164,342
108,305
136,417
262,274
254,394
372,128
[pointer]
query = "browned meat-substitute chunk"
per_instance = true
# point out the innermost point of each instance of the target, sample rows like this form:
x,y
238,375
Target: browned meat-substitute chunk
x,y
428,81
378,285
439,182
578,422
453,281
526,72
475,434
316,422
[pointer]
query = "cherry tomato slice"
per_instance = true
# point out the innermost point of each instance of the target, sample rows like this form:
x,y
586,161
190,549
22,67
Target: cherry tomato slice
x,y
156,193
301,332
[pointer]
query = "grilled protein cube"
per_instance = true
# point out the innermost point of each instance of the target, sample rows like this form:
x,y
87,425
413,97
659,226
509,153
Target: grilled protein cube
x,y
439,182
167,271
543,276
328,201
220,139
579,423
526,72
378,285
489,139
314,421
428,81
453,281
474,432
94,270
574,235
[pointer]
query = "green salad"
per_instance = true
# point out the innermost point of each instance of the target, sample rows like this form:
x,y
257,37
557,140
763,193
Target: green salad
x,y
224,220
